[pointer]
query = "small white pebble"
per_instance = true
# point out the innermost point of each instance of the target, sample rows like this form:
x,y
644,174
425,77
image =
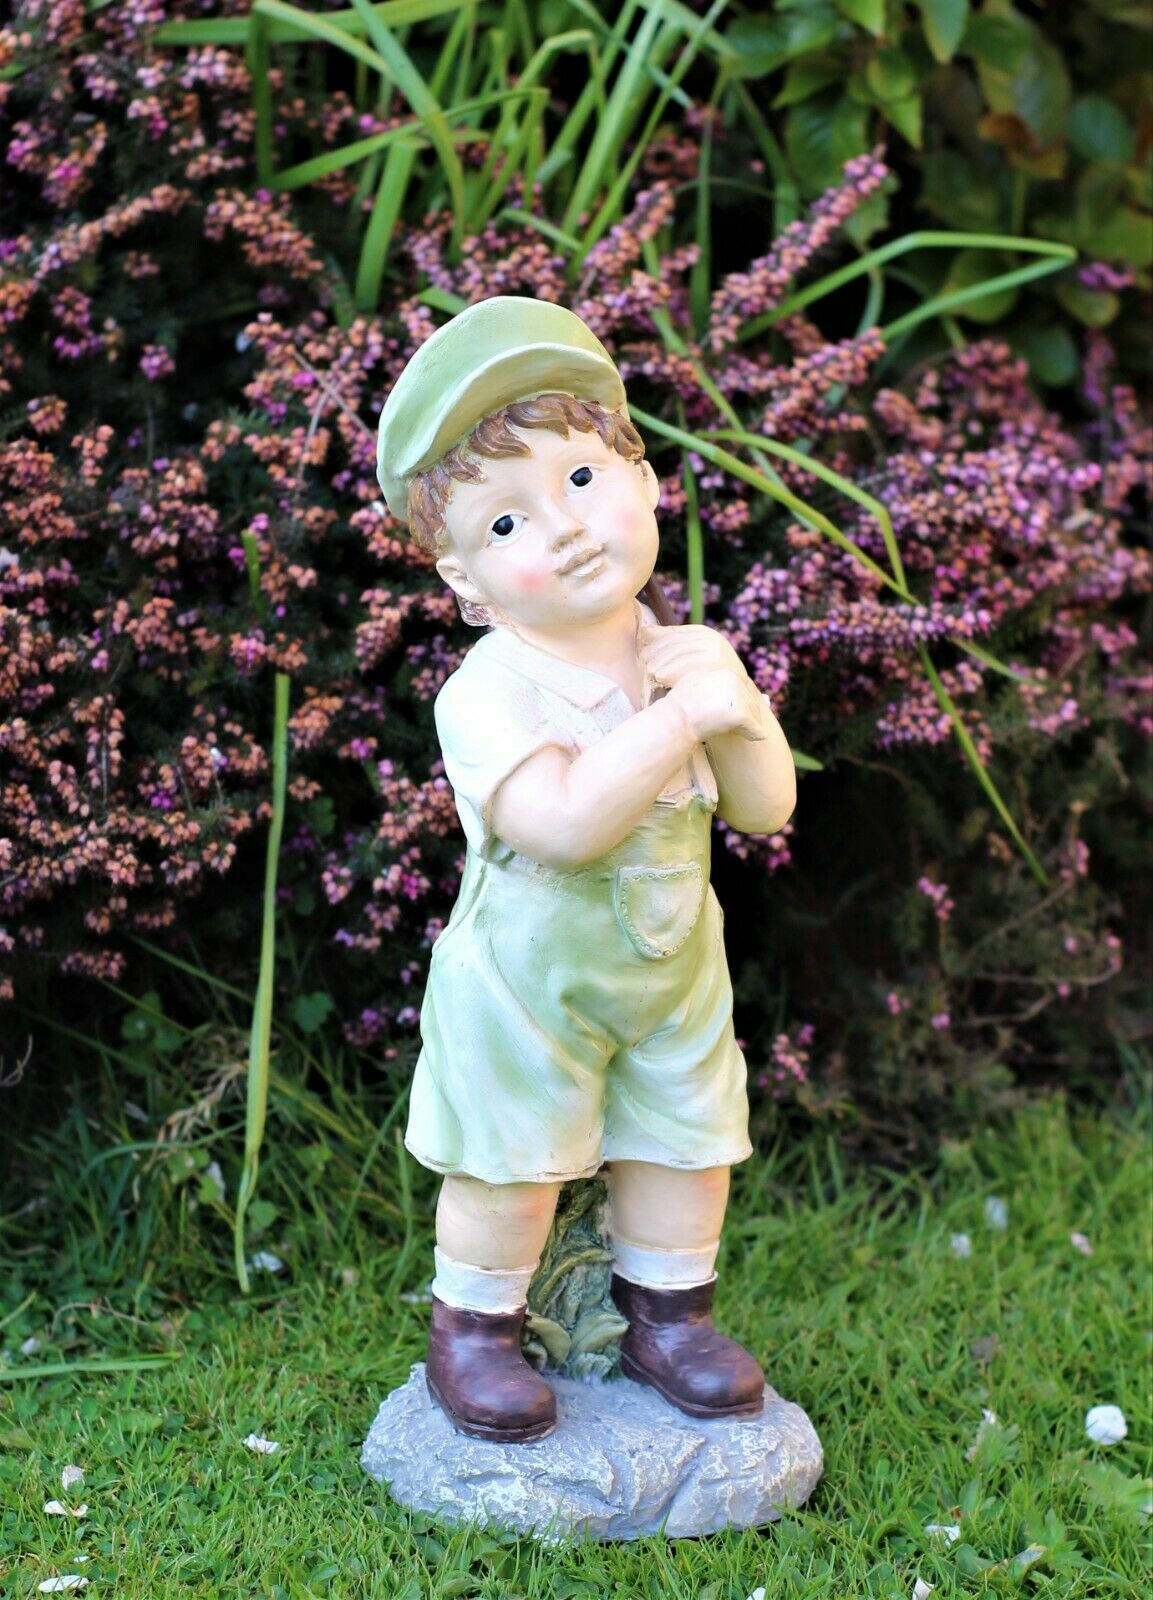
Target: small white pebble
x,y
31,1347
265,1261
71,1476
263,1447
949,1532
996,1213
1081,1242
961,1245
70,1580
1106,1424
349,1277
922,1590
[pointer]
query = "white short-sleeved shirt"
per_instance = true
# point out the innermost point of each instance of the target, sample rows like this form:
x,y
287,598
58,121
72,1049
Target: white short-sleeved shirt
x,y
507,701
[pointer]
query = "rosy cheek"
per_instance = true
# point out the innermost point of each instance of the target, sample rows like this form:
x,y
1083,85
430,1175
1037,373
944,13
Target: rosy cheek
x,y
531,580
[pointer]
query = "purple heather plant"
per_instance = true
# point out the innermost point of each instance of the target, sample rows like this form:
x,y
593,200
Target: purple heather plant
x,y
190,508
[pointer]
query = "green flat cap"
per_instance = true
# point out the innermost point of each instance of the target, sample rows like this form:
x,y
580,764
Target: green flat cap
x,y
495,352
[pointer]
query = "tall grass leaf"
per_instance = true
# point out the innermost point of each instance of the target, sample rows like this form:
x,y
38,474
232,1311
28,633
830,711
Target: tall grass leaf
x,y
612,205
261,1033
787,200
234,30
612,128
695,558
701,272
378,235
422,100
815,519
929,239
64,1369
877,509
937,305
965,740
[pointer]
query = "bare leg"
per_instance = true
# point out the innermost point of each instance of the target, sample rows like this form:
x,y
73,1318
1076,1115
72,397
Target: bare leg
x,y
496,1226
665,1208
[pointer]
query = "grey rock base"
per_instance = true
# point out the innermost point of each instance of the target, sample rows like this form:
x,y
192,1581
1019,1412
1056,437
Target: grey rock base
x,y
620,1463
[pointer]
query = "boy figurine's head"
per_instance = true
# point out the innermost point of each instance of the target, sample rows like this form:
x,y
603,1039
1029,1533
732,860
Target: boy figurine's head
x,y
506,445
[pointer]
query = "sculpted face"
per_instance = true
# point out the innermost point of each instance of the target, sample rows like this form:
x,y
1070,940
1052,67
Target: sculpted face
x,y
562,536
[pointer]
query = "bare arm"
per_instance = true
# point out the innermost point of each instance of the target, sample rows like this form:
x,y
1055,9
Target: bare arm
x,y
756,778
565,812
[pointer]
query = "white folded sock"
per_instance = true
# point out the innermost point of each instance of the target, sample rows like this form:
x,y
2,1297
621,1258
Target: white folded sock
x,y
492,1289
664,1269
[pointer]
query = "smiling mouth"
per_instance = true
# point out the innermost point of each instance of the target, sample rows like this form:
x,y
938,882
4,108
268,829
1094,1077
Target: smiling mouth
x,y
583,563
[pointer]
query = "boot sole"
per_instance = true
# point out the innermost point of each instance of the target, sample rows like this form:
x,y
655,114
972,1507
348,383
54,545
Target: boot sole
x,y
747,1408
481,1430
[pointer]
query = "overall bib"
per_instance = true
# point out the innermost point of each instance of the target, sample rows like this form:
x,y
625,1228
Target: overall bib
x,y
574,1017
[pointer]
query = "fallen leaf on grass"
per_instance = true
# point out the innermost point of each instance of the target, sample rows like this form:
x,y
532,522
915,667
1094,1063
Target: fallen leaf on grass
x,y
55,1509
262,1447
1106,1424
265,1261
996,1213
947,1532
1023,1560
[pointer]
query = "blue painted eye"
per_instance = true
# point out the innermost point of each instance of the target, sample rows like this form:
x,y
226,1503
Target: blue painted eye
x,y
581,477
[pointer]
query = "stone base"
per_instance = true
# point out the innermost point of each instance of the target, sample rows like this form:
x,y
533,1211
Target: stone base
x,y
620,1463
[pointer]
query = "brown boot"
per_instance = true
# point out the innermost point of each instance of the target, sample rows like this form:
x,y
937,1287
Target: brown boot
x,y
481,1381
672,1345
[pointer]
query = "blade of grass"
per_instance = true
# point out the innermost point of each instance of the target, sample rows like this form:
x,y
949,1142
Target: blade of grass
x,y
937,305
620,111
234,30
1060,255
965,740
880,511
786,201
815,519
62,1369
422,100
610,209
378,235
258,1053
566,141
694,539
701,273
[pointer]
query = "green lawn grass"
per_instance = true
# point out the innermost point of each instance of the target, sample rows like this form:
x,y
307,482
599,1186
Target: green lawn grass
x,y
848,1287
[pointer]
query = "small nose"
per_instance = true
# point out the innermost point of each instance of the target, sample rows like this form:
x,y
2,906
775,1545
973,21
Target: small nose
x,y
566,526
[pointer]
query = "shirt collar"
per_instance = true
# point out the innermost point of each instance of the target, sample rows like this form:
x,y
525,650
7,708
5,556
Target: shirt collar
x,y
581,686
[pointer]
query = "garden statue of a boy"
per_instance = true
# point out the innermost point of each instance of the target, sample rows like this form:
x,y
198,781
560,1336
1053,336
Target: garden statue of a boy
x,y
578,1010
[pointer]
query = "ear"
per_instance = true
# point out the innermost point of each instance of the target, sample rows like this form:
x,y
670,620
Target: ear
x,y
652,484
452,570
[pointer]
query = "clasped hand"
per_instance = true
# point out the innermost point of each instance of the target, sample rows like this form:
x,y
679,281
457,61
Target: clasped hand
x,y
706,678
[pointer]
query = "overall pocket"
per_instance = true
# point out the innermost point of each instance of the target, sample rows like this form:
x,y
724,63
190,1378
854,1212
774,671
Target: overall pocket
x,y
658,907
